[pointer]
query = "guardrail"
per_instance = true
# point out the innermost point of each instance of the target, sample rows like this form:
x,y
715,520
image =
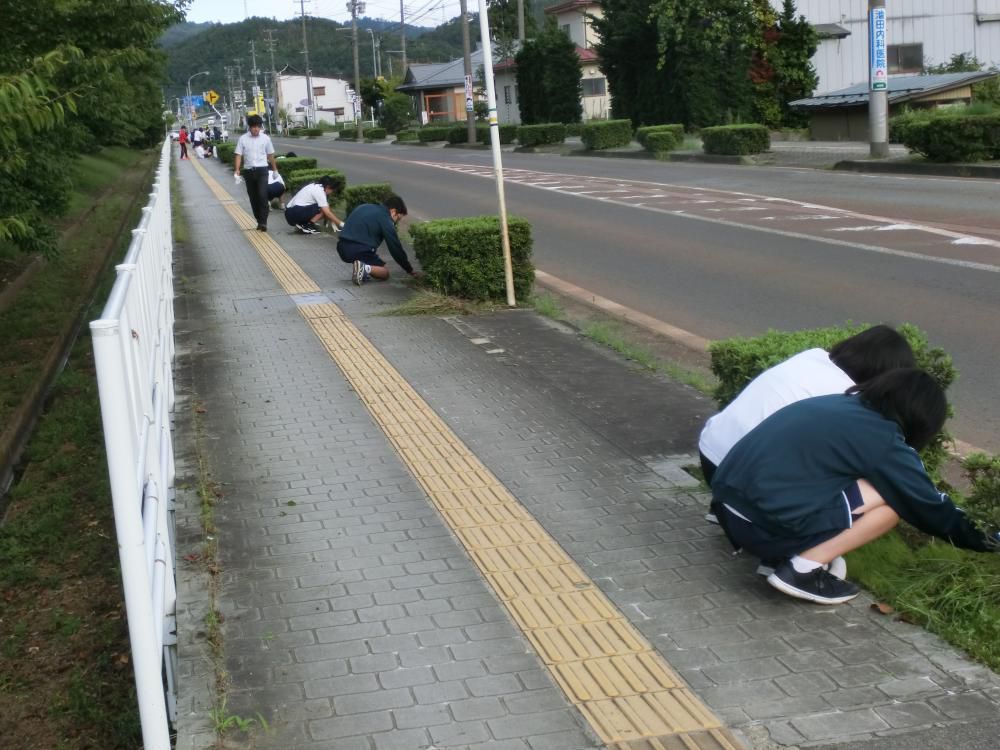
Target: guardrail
x,y
133,352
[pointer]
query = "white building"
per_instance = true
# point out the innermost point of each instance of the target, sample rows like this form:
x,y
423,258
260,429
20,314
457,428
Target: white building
x,y
918,32
332,98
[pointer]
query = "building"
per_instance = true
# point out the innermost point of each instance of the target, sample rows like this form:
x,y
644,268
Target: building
x,y
438,89
843,115
919,33
332,98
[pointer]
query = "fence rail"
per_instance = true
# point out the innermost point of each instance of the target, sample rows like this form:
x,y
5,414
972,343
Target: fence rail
x,y
133,352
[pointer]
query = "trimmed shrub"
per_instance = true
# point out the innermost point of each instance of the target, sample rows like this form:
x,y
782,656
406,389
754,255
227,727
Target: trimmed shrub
x,y
375,134
538,135
289,164
314,132
296,132
463,257
736,140
507,133
983,500
356,195
295,181
737,361
660,141
433,133
460,134
641,133
602,134
348,133
406,136
226,152
574,128
949,135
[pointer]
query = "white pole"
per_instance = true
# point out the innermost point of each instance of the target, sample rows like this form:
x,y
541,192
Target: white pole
x,y
491,99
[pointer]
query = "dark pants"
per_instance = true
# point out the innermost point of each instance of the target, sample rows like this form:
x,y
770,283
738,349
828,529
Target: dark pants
x,y
184,150
256,180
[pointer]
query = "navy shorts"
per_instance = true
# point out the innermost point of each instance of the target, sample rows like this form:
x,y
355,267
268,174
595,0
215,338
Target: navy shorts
x,y
352,251
763,544
300,214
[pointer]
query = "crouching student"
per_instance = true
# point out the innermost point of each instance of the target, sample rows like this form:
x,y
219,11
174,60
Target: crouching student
x,y
366,228
275,189
310,205
826,475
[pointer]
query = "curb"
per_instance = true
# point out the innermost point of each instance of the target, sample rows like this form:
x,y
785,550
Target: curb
x,y
702,158
918,168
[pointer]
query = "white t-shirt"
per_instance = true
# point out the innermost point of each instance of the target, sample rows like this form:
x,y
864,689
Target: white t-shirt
x,y
273,177
254,150
807,374
312,194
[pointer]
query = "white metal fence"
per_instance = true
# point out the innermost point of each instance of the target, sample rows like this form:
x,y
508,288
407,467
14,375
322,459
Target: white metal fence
x,y
134,350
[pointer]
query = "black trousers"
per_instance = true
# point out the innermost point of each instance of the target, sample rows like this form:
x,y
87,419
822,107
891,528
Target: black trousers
x,y
256,181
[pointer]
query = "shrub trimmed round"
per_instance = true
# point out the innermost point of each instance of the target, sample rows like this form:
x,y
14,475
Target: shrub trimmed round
x,y
298,179
406,136
601,134
645,130
433,133
375,134
540,135
736,140
289,164
314,132
949,136
226,152
374,192
661,141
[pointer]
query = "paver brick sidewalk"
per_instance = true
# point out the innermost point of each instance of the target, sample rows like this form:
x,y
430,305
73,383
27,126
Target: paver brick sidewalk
x,y
353,618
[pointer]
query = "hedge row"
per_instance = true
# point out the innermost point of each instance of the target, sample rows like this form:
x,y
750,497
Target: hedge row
x,y
661,140
738,361
538,135
357,195
375,134
314,132
348,133
463,257
226,152
405,136
289,164
641,133
949,136
574,128
433,133
736,140
602,134
295,181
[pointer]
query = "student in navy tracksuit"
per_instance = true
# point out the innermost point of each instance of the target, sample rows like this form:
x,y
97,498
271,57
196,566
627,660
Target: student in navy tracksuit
x,y
826,475
366,227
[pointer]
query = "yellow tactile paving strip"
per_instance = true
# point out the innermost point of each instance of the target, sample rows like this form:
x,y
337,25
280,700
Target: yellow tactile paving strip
x,y
625,689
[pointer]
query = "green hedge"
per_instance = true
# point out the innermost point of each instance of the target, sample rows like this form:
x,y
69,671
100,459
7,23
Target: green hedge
x,y
949,136
736,140
538,135
983,498
348,133
356,195
645,130
463,257
314,132
507,133
289,164
404,136
375,134
460,134
295,181
602,134
574,128
296,132
227,152
737,361
433,133
660,141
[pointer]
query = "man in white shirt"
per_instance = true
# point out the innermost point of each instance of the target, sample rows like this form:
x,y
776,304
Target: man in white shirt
x,y
311,204
254,151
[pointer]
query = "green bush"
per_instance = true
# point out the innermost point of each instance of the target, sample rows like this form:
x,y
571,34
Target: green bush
x,y
375,134
295,181
574,128
463,257
660,141
405,136
348,133
460,134
433,133
507,133
983,500
226,152
737,361
356,195
296,132
602,134
289,164
314,132
736,140
641,133
957,135
538,135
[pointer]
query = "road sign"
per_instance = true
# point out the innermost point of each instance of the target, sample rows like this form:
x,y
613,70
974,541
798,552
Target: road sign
x,y
877,52
211,97
469,105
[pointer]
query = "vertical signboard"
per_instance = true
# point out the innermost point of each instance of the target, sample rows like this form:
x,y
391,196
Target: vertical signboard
x,y
879,75
469,104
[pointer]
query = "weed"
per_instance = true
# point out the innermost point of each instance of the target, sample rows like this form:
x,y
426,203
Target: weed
x,y
547,305
426,302
225,721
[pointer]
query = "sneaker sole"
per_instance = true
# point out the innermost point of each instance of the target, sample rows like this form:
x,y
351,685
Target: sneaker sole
x,y
786,588
712,518
357,276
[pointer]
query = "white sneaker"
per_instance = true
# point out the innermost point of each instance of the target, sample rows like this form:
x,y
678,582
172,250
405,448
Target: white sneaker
x,y
358,275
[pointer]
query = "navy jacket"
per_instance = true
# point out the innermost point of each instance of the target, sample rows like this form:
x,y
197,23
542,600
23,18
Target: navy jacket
x,y
368,225
787,474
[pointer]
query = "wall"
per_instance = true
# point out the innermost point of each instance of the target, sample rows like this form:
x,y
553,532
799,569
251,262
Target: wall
x,y
292,90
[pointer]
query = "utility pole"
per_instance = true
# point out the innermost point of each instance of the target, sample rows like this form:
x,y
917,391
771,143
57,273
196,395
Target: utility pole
x,y
878,81
305,51
520,21
355,7
256,86
240,87
470,114
270,42
402,33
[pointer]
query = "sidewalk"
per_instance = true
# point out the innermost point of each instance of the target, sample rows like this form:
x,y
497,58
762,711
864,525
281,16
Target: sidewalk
x,y
476,533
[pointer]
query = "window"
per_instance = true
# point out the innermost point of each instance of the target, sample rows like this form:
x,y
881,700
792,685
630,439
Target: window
x,y
594,86
319,90
565,30
905,58
506,94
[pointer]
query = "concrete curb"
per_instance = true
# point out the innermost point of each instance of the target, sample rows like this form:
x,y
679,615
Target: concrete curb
x,y
919,168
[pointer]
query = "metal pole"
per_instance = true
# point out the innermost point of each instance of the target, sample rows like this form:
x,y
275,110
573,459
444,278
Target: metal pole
x,y
374,59
520,21
878,81
189,102
470,114
491,98
402,33
305,51
352,6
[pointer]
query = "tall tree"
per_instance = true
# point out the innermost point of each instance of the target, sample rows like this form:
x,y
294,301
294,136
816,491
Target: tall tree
x,y
548,78
795,74
503,25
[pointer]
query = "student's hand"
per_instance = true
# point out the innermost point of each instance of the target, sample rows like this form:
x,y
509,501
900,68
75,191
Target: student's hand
x,y
993,541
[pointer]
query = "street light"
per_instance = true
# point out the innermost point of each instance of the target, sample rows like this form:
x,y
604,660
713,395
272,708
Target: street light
x,y
374,58
190,107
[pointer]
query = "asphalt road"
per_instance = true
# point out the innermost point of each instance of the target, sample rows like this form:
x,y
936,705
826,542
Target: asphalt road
x,y
723,251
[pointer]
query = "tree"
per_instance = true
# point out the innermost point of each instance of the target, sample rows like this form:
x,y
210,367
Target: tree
x,y
548,78
397,111
503,25
984,92
795,75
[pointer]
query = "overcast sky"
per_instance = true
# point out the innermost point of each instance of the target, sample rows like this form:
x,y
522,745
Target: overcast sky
x,y
422,12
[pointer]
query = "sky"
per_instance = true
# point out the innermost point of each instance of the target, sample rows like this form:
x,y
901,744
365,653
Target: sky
x,y
422,12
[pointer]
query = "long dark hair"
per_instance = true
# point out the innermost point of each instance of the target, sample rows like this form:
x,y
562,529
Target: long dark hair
x,y
909,397
873,351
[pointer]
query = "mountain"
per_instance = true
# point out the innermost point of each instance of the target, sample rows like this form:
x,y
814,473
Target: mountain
x,y
179,32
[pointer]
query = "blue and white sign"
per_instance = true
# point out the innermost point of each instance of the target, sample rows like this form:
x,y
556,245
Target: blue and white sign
x,y
877,56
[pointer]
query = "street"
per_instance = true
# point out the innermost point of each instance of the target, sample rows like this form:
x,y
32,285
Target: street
x,y
725,251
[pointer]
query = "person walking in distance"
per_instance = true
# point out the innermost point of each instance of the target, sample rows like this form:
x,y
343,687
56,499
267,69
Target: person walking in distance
x,y
254,151
182,139
366,228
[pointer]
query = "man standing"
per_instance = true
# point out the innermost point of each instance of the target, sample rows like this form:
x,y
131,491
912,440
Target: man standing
x,y
255,150
365,229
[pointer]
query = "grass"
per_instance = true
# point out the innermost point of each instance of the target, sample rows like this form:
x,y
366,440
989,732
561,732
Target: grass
x,y
427,302
547,305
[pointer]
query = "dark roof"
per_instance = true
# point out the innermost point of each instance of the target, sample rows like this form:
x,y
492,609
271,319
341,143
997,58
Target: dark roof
x,y
901,89
831,31
570,5
420,77
587,57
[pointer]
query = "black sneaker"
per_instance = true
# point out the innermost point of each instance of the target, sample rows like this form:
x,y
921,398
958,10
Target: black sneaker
x,y
314,227
769,565
306,228
816,586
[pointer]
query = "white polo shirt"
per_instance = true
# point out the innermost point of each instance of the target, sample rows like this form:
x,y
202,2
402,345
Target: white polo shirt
x,y
254,150
312,194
